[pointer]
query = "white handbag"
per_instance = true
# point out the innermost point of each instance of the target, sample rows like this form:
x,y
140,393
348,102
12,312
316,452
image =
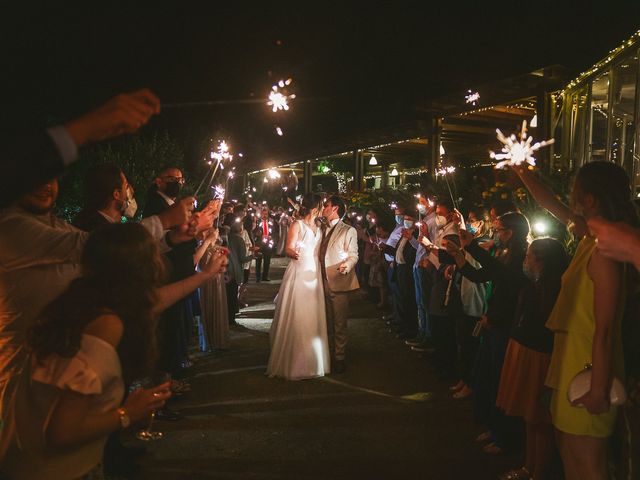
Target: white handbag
x,y
581,384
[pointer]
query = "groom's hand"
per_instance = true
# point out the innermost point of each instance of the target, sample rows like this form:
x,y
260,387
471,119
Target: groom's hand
x,y
343,268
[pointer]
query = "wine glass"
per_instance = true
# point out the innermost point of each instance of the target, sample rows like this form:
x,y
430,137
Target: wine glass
x,y
158,378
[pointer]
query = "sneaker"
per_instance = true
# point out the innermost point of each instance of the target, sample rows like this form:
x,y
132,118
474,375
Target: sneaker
x,y
414,342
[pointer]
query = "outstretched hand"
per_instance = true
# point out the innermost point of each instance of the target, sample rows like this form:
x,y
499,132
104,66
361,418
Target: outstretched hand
x,y
617,241
124,113
466,238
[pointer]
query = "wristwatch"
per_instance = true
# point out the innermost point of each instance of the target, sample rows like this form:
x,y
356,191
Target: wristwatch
x,y
125,421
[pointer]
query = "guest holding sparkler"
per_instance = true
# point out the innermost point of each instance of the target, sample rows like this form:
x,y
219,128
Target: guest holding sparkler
x,y
587,316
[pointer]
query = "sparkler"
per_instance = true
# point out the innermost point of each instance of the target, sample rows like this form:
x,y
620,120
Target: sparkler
x,y
473,97
516,152
217,157
279,97
279,131
445,172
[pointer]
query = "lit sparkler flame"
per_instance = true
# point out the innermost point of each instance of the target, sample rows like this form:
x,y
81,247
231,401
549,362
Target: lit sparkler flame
x,y
218,191
445,171
279,131
279,100
472,97
518,152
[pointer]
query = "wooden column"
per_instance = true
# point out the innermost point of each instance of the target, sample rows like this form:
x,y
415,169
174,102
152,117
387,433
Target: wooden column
x,y
308,184
433,159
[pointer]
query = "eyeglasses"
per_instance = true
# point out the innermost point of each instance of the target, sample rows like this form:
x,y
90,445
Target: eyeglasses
x,y
172,179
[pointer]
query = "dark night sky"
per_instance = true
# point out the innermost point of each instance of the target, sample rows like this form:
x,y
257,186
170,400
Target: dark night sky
x,y
364,66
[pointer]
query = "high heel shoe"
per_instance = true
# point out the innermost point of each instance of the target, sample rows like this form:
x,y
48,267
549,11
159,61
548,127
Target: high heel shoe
x,y
464,392
458,386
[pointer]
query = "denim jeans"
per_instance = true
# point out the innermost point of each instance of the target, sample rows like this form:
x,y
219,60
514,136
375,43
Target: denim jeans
x,y
423,320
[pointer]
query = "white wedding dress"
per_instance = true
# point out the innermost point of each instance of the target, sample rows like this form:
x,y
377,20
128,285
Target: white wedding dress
x,y
298,335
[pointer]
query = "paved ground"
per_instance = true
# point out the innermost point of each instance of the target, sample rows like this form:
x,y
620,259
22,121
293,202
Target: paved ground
x,y
240,424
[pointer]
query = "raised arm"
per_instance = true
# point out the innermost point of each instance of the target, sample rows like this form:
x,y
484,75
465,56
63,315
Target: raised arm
x,y
547,199
170,294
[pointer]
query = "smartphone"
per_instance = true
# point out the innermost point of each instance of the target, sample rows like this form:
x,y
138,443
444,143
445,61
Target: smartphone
x,y
445,258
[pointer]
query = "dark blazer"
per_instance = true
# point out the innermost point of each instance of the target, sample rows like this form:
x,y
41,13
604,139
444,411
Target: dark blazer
x,y
90,220
180,258
28,161
508,279
258,234
155,203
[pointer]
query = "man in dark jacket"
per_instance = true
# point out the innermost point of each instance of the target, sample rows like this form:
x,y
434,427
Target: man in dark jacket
x,y
175,323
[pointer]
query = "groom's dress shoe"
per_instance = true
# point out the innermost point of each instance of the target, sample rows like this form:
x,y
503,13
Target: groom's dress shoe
x,y
339,366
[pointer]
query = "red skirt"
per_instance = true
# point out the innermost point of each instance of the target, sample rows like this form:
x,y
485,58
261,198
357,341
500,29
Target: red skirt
x,y
522,383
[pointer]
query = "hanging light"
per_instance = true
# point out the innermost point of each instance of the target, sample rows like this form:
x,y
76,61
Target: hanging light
x,y
373,160
534,121
394,172
442,152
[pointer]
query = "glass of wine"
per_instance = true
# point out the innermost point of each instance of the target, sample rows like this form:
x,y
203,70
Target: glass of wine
x,y
147,434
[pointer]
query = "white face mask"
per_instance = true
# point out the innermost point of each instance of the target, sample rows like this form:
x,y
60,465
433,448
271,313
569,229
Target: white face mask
x,y
408,224
422,209
441,221
130,206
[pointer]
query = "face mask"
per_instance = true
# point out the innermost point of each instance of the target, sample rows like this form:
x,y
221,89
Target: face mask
x,y
399,219
172,189
130,206
408,224
441,221
422,209
368,217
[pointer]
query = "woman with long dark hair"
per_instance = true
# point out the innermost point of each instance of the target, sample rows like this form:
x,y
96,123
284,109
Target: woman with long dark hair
x,y
587,316
529,352
99,334
505,273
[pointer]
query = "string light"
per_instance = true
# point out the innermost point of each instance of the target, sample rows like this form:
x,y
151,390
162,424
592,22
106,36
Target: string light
x,y
602,63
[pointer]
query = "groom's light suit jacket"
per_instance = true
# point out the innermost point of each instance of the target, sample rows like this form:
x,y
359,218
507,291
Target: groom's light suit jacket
x,y
342,247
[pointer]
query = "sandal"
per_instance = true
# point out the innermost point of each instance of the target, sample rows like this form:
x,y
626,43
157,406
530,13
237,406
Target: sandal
x,y
519,474
492,449
464,392
457,387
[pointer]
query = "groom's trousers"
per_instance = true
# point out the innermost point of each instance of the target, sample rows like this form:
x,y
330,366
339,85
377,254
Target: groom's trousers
x,y
337,313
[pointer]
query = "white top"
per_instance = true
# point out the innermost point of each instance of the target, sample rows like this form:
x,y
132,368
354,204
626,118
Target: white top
x,y
94,371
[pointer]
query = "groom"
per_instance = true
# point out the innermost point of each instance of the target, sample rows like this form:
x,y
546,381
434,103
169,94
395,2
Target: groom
x,y
338,257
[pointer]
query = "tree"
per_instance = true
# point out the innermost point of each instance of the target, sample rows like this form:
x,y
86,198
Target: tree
x,y
141,157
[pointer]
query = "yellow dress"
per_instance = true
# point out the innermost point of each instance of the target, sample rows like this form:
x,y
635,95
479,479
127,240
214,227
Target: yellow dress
x,y
573,323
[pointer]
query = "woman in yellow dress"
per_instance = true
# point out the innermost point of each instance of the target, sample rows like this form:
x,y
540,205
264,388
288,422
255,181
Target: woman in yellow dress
x,y
586,317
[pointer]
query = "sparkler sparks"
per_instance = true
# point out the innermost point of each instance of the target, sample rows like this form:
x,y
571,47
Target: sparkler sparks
x,y
218,191
279,131
472,97
445,171
517,152
279,97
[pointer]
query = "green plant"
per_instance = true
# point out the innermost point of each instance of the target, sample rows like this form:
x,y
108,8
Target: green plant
x,y
141,157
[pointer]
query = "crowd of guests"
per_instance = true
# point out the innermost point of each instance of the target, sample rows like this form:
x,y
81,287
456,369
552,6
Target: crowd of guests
x,y
91,309
510,321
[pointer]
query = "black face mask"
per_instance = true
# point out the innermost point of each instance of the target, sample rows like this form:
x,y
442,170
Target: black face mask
x,y
172,189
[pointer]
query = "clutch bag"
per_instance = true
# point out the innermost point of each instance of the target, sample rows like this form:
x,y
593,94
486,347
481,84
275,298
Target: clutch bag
x,y
581,384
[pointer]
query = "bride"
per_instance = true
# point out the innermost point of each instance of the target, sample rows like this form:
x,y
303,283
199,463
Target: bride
x,y
299,346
